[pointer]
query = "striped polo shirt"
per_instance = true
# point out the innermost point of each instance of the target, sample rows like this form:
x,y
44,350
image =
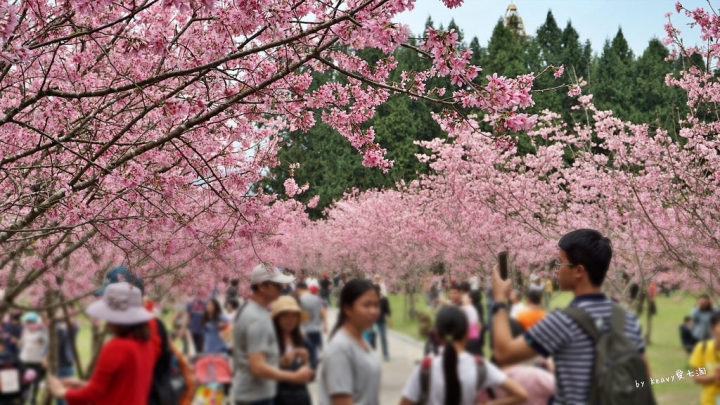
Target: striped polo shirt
x,y
572,349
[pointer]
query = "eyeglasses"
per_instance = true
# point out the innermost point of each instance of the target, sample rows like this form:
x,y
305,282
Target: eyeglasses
x,y
557,264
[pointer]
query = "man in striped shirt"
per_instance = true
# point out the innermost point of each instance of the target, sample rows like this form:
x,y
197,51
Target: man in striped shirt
x,y
583,260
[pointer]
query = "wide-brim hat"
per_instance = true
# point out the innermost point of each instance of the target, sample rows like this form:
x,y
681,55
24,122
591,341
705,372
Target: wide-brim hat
x,y
287,303
121,304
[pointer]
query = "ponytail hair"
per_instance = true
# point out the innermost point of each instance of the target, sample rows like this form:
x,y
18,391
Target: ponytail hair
x,y
451,325
351,291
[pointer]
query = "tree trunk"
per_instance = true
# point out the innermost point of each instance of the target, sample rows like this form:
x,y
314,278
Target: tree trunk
x,y
98,337
52,357
412,312
648,330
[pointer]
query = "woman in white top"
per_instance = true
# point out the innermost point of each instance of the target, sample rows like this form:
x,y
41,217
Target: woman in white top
x,y
453,374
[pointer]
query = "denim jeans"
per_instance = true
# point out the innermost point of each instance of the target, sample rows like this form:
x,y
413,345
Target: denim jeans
x,y
382,330
315,340
64,372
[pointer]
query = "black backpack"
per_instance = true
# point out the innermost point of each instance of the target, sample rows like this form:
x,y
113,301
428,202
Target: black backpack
x,y
161,390
618,365
426,369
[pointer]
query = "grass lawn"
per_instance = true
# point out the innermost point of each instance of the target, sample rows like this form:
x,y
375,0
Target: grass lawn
x,y
664,351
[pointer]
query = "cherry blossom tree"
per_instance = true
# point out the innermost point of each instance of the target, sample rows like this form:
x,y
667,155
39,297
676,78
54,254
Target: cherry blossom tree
x,y
655,194
134,131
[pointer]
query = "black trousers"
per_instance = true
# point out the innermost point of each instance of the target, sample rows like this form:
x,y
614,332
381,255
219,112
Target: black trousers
x,y
199,342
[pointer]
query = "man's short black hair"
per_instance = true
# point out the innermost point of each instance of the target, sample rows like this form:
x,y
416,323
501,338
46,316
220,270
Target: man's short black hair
x,y
301,285
235,282
704,296
592,250
455,286
534,296
686,319
465,287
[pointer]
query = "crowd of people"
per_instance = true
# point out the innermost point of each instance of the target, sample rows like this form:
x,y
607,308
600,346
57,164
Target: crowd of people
x,y
265,348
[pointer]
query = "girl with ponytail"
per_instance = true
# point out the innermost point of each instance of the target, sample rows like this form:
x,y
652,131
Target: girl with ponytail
x,y
351,371
454,372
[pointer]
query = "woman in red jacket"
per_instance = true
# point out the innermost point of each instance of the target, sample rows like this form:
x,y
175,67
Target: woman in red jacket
x,y
123,373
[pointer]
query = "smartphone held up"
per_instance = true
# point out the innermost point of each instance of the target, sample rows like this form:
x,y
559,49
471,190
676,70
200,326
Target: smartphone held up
x,y
503,264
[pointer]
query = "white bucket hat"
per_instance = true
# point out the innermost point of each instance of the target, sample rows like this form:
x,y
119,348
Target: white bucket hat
x,y
121,304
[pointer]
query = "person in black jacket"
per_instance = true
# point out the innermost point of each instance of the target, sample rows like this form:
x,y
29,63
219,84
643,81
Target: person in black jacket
x,y
383,322
686,335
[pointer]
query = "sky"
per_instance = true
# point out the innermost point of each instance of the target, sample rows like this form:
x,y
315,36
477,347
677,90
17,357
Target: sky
x,y
596,20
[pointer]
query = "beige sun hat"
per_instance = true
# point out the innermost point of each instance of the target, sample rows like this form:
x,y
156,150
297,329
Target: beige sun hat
x,y
120,304
287,303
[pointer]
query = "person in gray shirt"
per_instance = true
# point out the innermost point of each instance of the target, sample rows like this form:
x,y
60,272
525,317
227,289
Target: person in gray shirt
x,y
316,325
351,371
255,350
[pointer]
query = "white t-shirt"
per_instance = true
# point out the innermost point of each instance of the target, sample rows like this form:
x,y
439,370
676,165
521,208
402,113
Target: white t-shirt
x,y
467,371
312,281
32,345
516,309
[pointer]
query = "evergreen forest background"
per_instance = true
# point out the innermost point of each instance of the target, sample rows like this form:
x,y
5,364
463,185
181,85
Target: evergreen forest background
x,y
632,86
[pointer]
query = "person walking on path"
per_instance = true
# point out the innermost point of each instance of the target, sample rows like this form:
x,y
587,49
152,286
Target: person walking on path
x,y
453,375
383,322
474,325
193,322
686,335
214,323
325,288
582,263
233,290
316,325
705,360
294,349
12,331
124,370
256,356
351,372
33,346
66,335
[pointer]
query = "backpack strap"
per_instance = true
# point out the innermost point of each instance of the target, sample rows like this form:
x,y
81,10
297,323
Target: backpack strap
x,y
481,372
586,322
237,314
425,369
237,317
617,318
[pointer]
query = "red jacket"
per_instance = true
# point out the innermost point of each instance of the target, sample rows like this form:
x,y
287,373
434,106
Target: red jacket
x,y
122,376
